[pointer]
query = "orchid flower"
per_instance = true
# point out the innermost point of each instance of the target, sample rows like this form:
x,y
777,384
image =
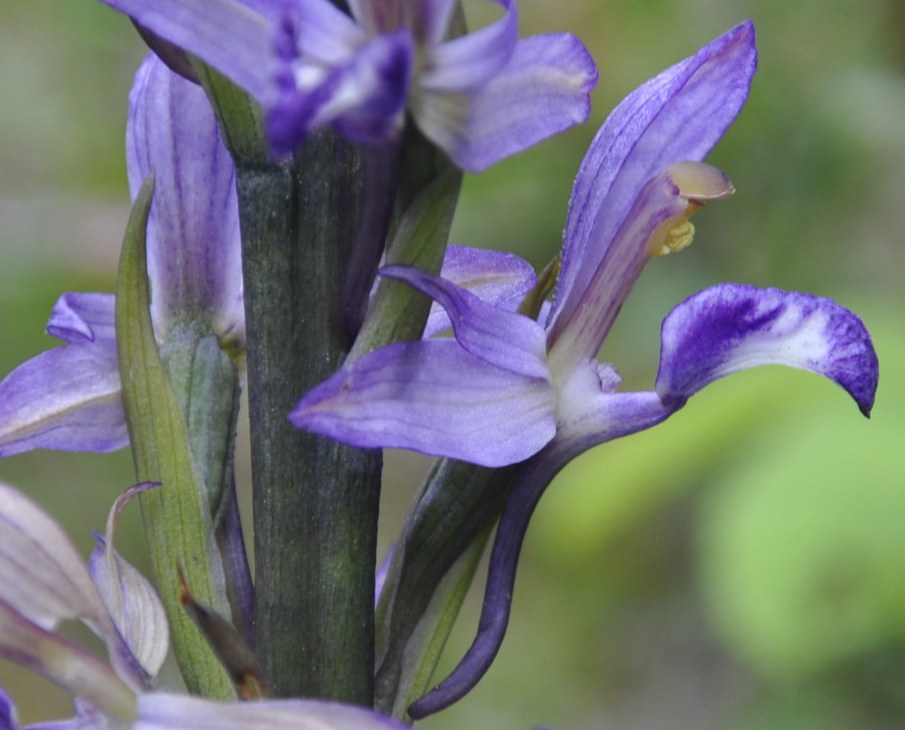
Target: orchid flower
x,y
509,389
480,97
69,397
45,582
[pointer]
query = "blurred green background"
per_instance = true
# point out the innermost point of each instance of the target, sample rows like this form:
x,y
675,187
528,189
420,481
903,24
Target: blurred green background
x,y
741,567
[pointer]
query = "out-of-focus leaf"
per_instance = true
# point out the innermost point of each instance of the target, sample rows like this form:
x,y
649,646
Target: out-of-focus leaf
x,y
801,543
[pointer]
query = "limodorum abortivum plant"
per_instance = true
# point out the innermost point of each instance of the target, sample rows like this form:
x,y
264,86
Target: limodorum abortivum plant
x,y
294,168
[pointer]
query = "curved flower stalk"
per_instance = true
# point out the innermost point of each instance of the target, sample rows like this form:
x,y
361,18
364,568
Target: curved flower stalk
x,y
46,582
480,97
509,389
68,398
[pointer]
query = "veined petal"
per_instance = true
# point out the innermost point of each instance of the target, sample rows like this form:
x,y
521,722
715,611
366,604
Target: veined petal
x,y
659,215
497,277
470,60
678,115
160,711
543,89
436,398
194,259
500,338
78,318
130,599
226,34
67,398
733,327
44,578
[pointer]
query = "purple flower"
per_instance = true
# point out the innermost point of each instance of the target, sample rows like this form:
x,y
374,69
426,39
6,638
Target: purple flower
x,y
69,397
45,582
509,389
480,97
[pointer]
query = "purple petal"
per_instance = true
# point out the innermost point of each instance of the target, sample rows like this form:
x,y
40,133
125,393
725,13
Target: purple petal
x,y
229,35
500,338
658,219
543,90
363,98
471,60
7,712
175,712
67,398
79,318
497,277
131,601
194,260
676,116
733,327
436,398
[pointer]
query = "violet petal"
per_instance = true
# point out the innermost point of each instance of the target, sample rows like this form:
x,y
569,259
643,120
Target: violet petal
x,y
67,398
732,327
436,398
194,258
543,90
678,115
78,318
497,277
500,338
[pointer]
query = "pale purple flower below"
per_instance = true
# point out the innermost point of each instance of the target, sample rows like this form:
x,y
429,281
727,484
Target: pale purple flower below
x,y
45,582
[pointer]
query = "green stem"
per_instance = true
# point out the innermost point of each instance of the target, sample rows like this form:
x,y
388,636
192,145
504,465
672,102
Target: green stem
x,y
315,500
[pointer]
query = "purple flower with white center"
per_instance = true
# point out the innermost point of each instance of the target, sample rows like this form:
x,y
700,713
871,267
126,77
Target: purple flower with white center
x,y
69,397
46,582
508,389
480,97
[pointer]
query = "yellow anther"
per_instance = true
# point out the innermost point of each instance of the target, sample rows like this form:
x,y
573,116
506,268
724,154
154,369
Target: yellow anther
x,y
678,238
697,183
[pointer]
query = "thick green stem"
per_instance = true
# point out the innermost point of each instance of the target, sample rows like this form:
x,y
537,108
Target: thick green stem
x,y
315,500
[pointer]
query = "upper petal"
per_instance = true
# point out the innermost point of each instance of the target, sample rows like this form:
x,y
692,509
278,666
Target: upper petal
x,y
542,90
733,327
678,115
436,398
500,338
194,258
472,60
497,277
80,318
